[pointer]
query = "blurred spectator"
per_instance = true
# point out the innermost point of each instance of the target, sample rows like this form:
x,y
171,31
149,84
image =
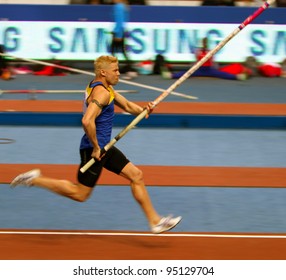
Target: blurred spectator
x,y
268,69
5,72
120,18
120,15
208,69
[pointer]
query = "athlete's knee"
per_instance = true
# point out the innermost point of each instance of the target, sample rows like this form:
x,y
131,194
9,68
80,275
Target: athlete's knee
x,y
137,175
76,192
80,197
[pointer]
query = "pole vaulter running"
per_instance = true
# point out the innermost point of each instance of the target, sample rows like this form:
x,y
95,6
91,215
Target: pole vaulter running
x,y
98,113
181,80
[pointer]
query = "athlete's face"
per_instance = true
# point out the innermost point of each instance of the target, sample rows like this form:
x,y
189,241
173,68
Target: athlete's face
x,y
112,74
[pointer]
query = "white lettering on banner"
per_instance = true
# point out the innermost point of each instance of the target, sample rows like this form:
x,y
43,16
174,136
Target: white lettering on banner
x,y
176,41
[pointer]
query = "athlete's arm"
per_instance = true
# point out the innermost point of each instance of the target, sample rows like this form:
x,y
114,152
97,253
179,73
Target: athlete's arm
x,y
131,107
126,105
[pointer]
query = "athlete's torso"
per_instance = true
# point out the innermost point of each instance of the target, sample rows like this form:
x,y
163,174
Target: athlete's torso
x,y
202,53
103,121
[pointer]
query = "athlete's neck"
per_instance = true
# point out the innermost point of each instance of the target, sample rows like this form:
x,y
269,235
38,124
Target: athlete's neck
x,y
96,80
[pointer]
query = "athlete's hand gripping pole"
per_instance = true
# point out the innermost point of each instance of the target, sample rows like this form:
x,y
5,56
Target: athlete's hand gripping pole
x,y
181,80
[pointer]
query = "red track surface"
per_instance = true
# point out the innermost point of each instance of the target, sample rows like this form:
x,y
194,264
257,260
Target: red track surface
x,y
31,245
167,175
166,107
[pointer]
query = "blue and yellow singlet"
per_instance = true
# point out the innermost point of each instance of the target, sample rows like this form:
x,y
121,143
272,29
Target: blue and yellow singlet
x,y
103,122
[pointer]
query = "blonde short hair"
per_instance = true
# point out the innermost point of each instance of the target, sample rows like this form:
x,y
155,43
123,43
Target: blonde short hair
x,y
103,62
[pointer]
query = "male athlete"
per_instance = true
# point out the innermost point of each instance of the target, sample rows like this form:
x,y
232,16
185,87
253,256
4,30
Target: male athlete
x,y
100,98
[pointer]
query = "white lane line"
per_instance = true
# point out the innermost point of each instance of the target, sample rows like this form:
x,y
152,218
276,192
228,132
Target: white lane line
x,y
208,235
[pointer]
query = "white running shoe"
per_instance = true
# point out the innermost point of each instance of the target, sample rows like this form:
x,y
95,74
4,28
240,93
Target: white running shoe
x,y
26,178
165,224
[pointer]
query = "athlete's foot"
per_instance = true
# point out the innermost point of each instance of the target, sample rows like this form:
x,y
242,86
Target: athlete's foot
x,y
26,178
165,224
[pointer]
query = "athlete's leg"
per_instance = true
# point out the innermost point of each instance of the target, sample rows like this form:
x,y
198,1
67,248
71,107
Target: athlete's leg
x,y
77,192
139,191
119,164
80,191
115,45
213,72
201,72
